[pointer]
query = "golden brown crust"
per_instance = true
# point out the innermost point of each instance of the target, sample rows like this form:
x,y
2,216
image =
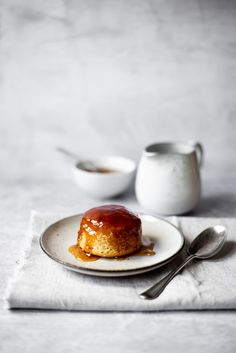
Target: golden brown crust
x,y
110,231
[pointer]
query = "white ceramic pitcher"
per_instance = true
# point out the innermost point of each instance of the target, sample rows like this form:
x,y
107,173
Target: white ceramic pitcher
x,y
168,177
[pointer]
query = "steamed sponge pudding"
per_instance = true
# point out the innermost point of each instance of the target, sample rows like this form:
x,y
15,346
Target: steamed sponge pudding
x,y
109,231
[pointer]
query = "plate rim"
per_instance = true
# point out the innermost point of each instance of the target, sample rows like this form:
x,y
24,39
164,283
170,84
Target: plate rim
x,y
78,268
122,273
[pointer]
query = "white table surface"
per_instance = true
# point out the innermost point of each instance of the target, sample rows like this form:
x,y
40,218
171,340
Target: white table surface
x,y
103,77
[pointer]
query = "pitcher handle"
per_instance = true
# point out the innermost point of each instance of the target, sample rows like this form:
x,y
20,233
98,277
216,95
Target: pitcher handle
x,y
199,151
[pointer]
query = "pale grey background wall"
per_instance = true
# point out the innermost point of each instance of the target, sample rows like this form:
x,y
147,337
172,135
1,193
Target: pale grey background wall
x,y
110,77
113,76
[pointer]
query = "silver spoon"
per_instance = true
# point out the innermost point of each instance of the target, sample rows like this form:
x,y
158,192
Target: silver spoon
x,y
88,165
207,244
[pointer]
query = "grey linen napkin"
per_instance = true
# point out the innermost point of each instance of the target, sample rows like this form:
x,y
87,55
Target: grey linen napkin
x,y
40,283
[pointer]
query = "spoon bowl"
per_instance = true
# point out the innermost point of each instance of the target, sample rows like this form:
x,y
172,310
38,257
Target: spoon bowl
x,y
208,243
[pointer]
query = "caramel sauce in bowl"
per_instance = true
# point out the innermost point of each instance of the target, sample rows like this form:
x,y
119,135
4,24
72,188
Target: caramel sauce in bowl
x,y
101,170
111,176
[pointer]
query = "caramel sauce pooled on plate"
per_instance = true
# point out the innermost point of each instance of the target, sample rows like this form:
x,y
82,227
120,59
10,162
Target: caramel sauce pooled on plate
x,y
145,250
79,254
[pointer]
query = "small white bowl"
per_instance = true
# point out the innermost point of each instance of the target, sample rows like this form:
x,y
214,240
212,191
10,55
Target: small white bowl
x,y
105,185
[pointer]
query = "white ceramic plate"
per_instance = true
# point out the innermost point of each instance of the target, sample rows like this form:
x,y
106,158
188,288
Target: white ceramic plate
x,y
58,237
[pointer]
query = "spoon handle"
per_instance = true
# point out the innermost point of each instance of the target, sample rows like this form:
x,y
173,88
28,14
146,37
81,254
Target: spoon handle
x,y
67,153
154,291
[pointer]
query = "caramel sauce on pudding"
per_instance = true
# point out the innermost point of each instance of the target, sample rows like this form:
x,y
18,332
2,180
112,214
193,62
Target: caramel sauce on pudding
x,y
79,254
110,231
111,216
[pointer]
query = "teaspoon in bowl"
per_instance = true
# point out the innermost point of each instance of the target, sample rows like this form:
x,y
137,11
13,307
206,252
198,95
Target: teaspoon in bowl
x,y
88,165
206,245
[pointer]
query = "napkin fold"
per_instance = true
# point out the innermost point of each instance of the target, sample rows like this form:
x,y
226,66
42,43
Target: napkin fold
x,y
40,283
